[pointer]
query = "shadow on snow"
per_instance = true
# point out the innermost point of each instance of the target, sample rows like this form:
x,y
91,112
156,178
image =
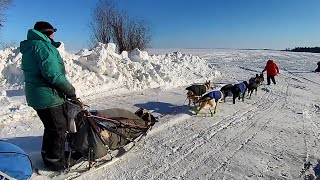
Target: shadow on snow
x,y
163,108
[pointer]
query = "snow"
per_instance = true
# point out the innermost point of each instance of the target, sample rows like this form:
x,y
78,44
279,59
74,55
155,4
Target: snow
x,y
269,136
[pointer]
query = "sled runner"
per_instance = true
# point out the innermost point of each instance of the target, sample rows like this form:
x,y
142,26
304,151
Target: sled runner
x,y
83,168
97,138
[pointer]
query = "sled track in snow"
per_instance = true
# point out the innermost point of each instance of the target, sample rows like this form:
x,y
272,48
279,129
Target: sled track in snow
x,y
300,76
230,119
236,142
310,135
227,149
198,138
189,124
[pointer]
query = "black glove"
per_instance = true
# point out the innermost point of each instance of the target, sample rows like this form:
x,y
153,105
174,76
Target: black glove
x,y
76,100
67,89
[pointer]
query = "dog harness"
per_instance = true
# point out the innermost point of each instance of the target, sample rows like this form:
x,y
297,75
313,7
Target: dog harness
x,y
241,86
216,95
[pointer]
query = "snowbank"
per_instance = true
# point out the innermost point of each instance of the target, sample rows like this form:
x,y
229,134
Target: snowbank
x,y
103,70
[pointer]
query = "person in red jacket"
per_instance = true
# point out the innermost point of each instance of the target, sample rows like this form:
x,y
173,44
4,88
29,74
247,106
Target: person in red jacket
x,y
272,70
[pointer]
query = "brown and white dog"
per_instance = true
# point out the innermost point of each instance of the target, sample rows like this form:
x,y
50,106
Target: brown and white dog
x,y
210,99
196,91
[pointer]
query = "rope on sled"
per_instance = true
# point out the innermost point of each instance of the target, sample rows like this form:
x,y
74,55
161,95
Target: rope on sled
x,y
118,122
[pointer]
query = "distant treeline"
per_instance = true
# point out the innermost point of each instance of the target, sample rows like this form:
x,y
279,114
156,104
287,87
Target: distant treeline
x,y
305,49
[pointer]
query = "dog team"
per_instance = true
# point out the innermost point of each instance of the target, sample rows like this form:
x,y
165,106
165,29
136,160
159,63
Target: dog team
x,y
205,95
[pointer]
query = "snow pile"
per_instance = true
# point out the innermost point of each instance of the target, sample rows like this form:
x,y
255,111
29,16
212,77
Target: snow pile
x,y
138,56
10,70
103,70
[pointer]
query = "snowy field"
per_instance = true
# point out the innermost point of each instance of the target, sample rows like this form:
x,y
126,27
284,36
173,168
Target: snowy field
x,y
270,136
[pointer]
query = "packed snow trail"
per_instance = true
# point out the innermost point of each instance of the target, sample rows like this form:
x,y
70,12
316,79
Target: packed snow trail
x,y
251,139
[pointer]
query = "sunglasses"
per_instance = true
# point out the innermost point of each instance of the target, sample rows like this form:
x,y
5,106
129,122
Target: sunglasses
x,y
49,30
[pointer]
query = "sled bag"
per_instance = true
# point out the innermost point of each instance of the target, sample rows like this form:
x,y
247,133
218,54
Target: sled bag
x,y
99,136
15,163
87,139
120,136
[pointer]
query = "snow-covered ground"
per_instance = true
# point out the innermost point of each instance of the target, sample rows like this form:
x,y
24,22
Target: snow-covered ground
x,y
269,136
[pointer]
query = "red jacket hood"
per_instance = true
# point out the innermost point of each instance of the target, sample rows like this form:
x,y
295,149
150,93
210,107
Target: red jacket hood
x,y
270,61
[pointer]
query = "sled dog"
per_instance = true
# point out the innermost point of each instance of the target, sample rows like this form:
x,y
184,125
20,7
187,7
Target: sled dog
x,y
196,91
239,89
226,90
211,98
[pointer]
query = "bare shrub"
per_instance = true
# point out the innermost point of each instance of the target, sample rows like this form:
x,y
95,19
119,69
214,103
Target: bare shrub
x,y
109,23
4,5
100,28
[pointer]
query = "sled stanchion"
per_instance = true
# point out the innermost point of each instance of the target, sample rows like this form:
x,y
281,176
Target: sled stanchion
x,y
90,157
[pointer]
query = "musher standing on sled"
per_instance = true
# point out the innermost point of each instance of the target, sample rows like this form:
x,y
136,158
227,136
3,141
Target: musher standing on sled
x,y
46,88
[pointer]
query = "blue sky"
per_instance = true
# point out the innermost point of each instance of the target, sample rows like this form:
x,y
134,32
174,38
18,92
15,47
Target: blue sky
x,y
273,24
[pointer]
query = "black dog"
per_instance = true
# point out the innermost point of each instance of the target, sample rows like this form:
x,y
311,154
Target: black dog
x,y
254,83
225,91
254,79
258,79
238,89
261,78
251,87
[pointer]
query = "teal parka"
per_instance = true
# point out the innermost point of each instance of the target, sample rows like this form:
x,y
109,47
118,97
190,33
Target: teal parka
x,y
44,73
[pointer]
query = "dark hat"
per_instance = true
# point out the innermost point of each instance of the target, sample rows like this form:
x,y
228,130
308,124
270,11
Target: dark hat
x,y
44,27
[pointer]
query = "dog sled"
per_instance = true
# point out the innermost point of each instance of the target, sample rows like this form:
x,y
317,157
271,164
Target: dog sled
x,y
97,138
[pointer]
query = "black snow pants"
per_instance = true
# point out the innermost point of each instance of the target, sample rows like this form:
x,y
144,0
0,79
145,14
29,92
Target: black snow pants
x,y
54,136
272,78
